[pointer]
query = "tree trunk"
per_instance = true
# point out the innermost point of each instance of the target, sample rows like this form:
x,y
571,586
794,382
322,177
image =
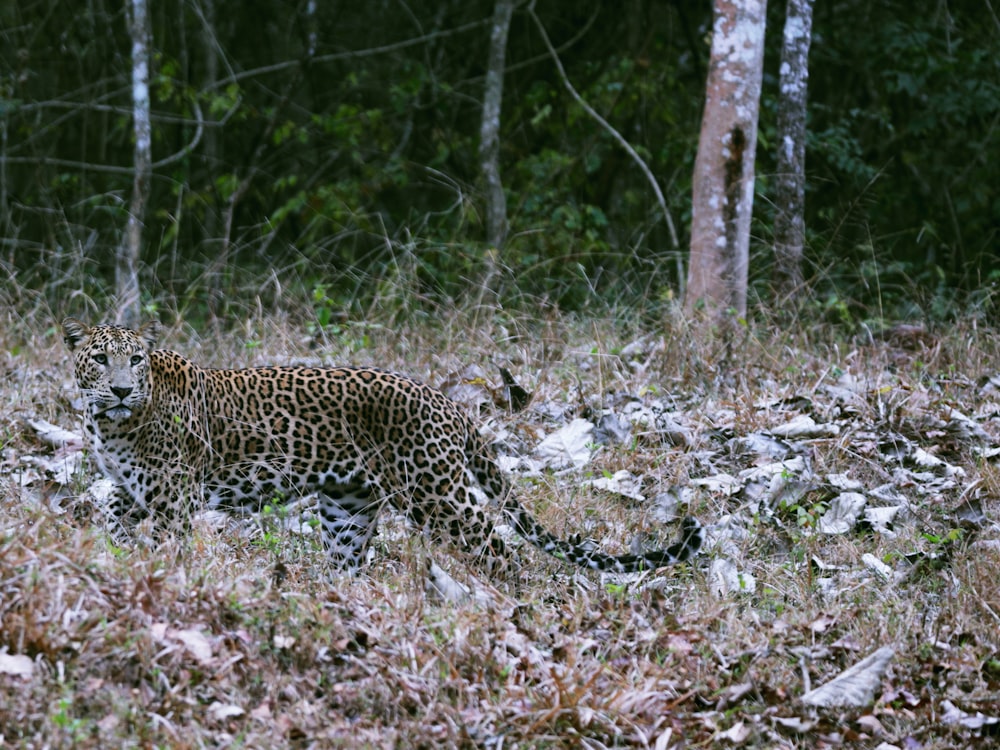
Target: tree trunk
x,y
790,186
127,261
489,130
210,150
723,181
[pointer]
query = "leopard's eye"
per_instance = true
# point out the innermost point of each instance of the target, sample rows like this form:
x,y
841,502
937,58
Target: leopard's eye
x,y
101,359
136,359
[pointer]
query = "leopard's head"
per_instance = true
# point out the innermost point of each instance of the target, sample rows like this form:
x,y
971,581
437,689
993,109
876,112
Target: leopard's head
x,y
111,365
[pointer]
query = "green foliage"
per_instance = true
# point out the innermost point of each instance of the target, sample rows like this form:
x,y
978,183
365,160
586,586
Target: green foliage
x,y
330,323
943,541
806,513
901,208
276,537
360,172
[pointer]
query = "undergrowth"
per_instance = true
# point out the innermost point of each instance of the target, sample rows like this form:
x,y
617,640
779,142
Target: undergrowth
x,y
239,635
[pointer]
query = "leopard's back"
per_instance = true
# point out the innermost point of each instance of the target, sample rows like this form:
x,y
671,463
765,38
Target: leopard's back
x,y
276,428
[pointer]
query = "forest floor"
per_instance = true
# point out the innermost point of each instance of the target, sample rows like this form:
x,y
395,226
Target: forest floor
x,y
848,594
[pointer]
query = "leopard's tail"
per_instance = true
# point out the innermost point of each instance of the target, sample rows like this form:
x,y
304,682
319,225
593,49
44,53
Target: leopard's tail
x,y
688,543
492,479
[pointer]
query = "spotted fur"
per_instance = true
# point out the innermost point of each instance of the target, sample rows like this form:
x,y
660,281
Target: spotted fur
x,y
174,436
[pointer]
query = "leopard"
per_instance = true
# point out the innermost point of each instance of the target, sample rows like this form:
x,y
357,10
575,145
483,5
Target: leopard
x,y
175,437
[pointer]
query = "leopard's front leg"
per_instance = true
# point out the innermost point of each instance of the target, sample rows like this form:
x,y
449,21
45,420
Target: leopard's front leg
x,y
119,513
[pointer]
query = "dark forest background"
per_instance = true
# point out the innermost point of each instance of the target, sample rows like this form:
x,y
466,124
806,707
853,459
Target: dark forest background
x,y
329,152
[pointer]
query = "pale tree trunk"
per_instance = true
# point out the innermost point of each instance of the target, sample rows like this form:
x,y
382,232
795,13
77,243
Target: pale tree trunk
x,y
723,181
211,148
489,130
127,261
790,186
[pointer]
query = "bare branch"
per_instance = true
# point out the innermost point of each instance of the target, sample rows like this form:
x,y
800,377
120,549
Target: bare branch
x,y
192,144
606,125
199,122
562,47
351,54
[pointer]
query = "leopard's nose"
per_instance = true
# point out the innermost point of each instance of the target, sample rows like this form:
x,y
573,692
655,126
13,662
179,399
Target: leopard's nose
x,y
120,392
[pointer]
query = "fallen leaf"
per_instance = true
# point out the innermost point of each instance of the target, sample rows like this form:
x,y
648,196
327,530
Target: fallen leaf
x,y
570,445
785,468
223,711
109,723
732,695
517,397
843,513
262,712
794,723
763,445
873,563
611,430
854,686
16,664
880,519
55,435
62,468
977,721
970,512
195,642
822,623
737,733
726,578
844,483
804,426
621,482
666,506
871,724
468,387
722,483
929,461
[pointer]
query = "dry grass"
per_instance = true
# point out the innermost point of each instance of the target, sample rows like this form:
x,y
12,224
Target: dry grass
x,y
241,637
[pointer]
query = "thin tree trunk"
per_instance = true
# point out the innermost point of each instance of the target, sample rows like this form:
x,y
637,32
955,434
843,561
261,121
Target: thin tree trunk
x,y
790,186
209,47
723,181
218,246
127,261
127,257
489,130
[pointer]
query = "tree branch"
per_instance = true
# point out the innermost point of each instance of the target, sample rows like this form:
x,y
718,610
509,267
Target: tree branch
x,y
351,54
606,125
114,168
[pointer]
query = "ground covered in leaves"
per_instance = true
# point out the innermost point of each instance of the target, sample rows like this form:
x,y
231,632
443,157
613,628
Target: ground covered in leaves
x,y
848,595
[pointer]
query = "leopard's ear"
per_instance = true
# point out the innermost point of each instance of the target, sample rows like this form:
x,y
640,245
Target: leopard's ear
x,y
74,331
150,333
